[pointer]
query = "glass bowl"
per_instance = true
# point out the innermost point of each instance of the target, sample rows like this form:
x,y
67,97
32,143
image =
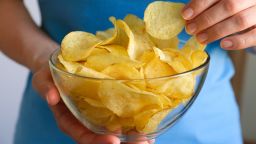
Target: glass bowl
x,y
128,113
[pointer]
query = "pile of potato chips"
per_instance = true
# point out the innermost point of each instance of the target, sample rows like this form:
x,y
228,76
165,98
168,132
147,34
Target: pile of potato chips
x,y
129,67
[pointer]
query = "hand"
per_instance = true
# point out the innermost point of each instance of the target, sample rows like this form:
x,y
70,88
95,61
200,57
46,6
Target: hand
x,y
43,83
211,20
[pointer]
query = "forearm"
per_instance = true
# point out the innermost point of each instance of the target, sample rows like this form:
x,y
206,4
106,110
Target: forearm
x,y
20,38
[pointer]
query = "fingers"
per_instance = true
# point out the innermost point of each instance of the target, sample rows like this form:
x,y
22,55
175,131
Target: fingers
x,y
239,22
42,82
240,41
68,123
53,96
217,13
195,7
72,127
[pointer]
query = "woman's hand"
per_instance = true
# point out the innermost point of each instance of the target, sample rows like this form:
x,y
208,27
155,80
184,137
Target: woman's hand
x,y
211,20
42,81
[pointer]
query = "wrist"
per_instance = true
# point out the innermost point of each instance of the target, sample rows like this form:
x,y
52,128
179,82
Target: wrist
x,y
40,58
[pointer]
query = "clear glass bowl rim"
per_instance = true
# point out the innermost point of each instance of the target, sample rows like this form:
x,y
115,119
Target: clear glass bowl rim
x,y
52,65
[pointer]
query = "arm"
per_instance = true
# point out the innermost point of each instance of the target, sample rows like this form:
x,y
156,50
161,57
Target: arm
x,y
20,38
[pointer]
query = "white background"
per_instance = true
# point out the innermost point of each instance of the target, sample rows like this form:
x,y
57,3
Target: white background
x,y
12,83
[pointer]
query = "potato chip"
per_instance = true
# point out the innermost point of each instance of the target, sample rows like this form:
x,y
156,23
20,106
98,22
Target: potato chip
x,y
97,50
165,101
82,89
118,124
142,43
78,45
163,19
175,59
104,35
119,37
179,87
101,61
77,87
93,102
156,68
114,124
136,24
139,84
96,115
126,124
116,50
71,67
130,27
174,88
147,56
78,68
179,56
125,101
110,36
136,84
142,118
87,72
172,43
139,41
198,57
122,71
191,45
155,120
138,45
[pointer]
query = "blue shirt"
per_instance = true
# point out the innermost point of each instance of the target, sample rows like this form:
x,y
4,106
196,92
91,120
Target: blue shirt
x,y
213,118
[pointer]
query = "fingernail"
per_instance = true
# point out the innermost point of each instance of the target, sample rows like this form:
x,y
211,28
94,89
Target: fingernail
x,y
187,13
202,37
226,44
191,28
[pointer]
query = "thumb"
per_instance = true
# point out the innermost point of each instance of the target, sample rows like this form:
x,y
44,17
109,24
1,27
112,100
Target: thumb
x,y
43,83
